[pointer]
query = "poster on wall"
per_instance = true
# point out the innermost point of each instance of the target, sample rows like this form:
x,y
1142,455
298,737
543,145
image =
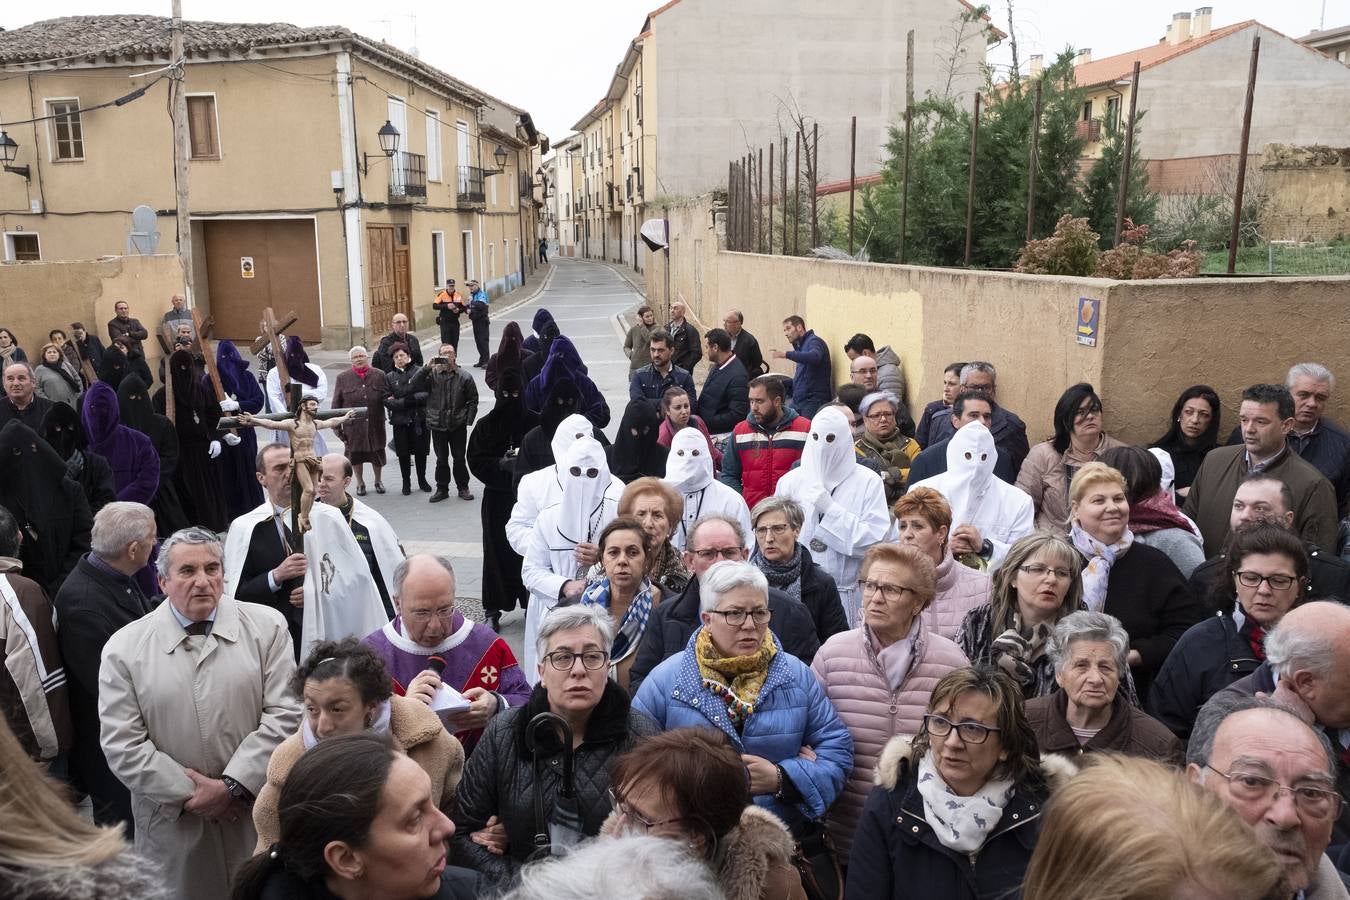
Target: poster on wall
x,y
1088,312
245,267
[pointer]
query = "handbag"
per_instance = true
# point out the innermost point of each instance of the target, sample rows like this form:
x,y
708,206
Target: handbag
x,y
815,859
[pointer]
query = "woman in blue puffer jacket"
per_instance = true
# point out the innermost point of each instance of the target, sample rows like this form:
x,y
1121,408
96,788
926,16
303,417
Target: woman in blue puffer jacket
x,y
734,676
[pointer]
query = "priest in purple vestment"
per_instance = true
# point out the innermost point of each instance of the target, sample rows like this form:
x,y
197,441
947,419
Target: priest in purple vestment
x,y
478,662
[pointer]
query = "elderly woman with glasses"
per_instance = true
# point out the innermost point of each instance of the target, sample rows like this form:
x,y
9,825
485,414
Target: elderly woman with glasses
x,y
879,675
788,566
495,809
1266,573
734,676
956,809
1089,713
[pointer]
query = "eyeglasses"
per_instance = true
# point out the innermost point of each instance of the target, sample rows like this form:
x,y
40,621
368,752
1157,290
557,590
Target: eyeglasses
x,y
563,660
1254,579
1313,802
732,553
621,806
970,732
736,617
775,530
1037,570
891,592
444,613
885,414
577,472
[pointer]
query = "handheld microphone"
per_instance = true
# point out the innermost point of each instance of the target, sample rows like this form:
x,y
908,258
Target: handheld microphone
x,y
436,664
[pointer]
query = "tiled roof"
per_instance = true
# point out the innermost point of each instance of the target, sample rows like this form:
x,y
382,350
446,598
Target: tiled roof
x,y
1118,67
74,38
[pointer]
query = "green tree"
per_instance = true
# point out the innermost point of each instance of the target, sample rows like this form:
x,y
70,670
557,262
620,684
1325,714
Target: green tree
x,y
940,153
1101,187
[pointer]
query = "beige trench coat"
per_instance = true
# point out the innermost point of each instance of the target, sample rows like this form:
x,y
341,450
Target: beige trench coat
x,y
218,704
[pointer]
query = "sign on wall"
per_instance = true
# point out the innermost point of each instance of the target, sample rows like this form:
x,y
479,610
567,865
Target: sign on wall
x,y
245,267
1089,311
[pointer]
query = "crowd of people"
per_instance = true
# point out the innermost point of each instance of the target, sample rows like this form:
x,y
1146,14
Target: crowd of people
x,y
782,640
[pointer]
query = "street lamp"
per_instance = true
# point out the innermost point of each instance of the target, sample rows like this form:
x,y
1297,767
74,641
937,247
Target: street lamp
x,y
388,136
8,150
500,156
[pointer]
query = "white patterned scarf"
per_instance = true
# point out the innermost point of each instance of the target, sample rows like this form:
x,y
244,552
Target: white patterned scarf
x,y
1100,559
629,633
961,823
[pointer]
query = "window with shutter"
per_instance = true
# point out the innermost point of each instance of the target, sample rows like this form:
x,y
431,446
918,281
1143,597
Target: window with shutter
x,y
202,127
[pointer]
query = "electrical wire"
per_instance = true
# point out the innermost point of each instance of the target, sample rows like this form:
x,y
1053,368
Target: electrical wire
x,y
120,101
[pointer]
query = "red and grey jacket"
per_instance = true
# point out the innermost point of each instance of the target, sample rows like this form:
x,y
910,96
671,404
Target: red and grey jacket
x,y
759,455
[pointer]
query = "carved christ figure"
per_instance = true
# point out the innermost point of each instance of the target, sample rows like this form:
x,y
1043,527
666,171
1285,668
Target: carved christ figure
x,y
305,466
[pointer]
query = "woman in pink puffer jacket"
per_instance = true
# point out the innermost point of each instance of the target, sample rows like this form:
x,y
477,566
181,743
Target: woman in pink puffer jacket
x,y
879,675
924,519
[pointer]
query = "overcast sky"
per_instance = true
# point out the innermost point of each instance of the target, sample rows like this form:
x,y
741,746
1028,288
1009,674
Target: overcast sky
x,y
555,58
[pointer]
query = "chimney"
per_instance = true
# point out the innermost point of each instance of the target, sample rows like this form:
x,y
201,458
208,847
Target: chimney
x,y
1037,65
1200,22
1084,56
1179,32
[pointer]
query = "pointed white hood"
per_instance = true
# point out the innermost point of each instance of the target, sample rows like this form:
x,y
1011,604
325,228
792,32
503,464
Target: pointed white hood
x,y
689,465
569,430
971,457
584,474
829,457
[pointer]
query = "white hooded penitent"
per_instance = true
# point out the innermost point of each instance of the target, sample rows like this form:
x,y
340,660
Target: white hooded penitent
x,y
689,469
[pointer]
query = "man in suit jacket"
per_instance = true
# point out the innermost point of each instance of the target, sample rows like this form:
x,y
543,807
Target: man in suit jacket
x,y
726,392
744,344
262,565
99,597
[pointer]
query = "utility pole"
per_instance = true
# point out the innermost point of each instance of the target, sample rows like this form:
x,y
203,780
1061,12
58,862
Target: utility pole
x,y
180,148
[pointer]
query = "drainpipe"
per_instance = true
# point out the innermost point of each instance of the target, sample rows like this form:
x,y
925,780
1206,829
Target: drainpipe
x,y
351,192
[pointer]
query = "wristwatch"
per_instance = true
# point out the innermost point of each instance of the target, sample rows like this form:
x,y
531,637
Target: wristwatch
x,y
987,548
237,790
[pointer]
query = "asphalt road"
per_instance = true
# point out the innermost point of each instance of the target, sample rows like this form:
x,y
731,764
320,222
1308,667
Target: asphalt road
x,y
585,299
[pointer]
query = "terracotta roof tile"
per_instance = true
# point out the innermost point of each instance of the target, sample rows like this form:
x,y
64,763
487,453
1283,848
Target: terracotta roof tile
x,y
79,37
1115,68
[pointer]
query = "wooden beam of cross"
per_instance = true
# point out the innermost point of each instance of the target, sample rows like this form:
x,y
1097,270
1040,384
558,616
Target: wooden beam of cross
x,y
202,328
261,340
272,331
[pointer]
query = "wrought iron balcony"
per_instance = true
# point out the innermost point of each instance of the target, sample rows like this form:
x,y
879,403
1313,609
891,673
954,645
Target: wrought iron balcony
x,y
470,185
407,178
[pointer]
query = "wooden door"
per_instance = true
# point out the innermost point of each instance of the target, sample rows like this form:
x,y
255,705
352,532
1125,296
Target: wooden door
x,y
252,264
403,274
380,278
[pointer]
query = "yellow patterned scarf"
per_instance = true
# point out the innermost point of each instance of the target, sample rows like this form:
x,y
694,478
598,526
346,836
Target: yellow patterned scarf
x,y
736,679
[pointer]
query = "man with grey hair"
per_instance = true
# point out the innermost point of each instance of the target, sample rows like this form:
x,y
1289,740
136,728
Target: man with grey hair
x,y
1314,437
99,597
193,699
1307,667
1276,773
1009,431
473,658
711,540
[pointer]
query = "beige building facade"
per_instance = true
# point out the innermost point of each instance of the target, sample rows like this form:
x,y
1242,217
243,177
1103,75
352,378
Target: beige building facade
x,y
294,204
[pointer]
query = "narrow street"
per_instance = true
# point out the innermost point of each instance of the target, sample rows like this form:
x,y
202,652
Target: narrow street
x,y
584,298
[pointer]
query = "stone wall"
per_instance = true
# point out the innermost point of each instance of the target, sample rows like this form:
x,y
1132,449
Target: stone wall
x,y
1154,339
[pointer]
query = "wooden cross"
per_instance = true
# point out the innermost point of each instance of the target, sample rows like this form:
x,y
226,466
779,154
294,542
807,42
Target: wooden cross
x,y
279,327
86,367
202,328
293,392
